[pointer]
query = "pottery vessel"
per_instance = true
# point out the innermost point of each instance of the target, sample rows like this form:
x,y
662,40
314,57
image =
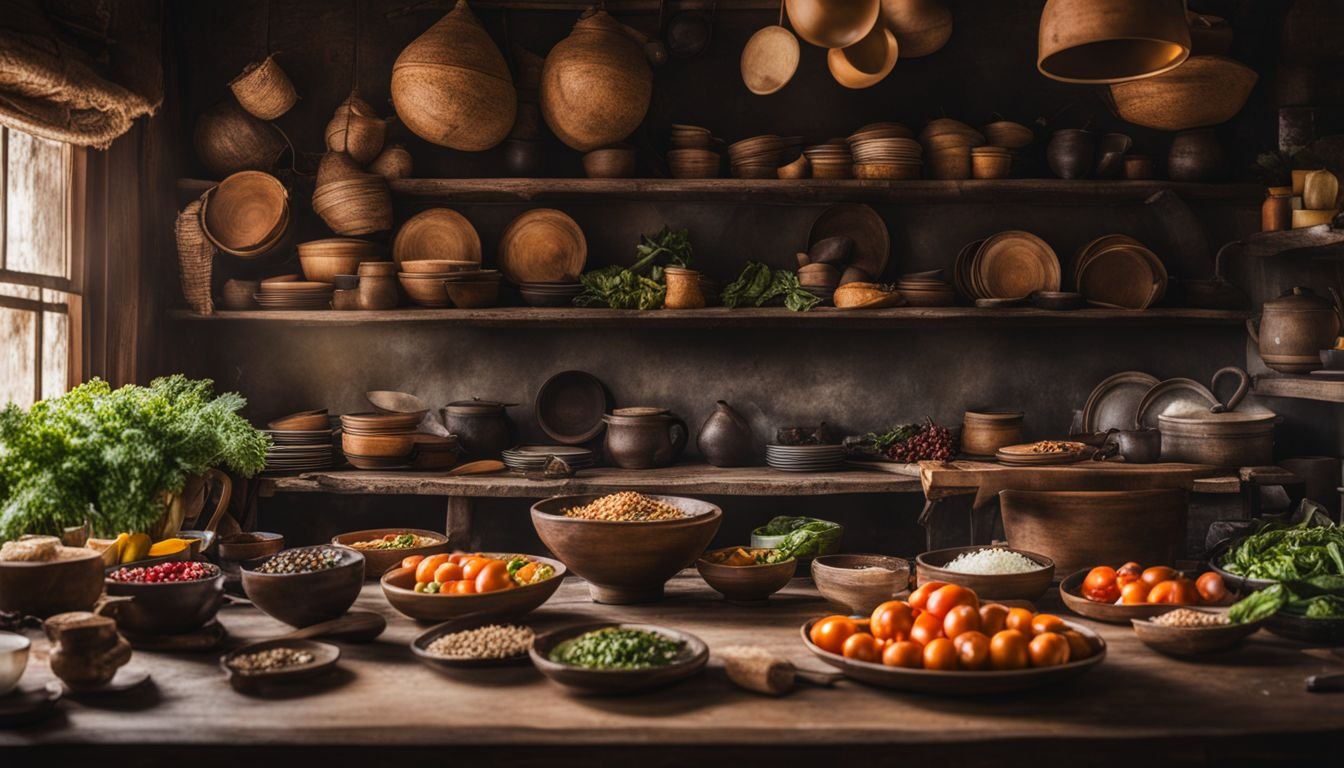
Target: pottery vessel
x,y
1070,153
483,427
1294,328
725,438
644,441
596,84
1195,156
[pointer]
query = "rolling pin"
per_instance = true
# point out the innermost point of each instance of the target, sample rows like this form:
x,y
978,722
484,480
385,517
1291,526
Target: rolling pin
x,y
757,669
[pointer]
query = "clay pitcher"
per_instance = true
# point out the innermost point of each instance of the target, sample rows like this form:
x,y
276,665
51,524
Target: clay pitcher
x,y
644,441
596,84
1294,328
725,438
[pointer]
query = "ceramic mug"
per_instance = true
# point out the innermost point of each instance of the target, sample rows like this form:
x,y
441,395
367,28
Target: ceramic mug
x,y
13,660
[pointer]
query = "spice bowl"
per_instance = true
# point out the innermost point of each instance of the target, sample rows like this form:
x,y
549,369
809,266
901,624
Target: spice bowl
x,y
325,656
399,588
693,657
859,583
164,607
1027,585
1192,641
379,561
249,545
303,599
420,646
744,583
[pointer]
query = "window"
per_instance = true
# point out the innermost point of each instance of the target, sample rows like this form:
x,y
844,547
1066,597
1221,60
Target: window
x,y
39,267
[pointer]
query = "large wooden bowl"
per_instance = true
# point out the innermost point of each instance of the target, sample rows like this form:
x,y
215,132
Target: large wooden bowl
x,y
745,583
694,656
1078,529
246,214
380,561
1204,91
399,589
167,607
303,599
626,562
44,589
1004,586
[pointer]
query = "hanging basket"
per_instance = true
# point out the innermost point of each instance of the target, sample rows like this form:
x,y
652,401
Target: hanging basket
x,y
264,90
357,130
358,206
195,257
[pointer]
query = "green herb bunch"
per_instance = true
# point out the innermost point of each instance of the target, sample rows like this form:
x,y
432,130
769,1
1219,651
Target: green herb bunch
x,y
109,456
759,283
640,285
1312,547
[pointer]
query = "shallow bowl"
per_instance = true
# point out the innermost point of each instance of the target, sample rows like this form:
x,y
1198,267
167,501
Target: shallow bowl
x,y
379,561
859,583
1030,585
399,588
745,583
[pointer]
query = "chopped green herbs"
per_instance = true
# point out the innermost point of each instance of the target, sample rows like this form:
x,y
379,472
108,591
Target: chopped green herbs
x,y
617,648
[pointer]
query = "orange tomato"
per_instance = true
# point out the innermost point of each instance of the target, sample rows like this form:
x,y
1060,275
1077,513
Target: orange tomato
x,y
940,654
492,577
920,597
829,634
1129,572
947,597
972,650
448,572
1158,574
1174,592
1008,650
926,628
861,646
1047,622
1134,593
1101,577
903,653
1020,619
891,620
411,561
458,557
1079,646
1048,650
992,618
1211,588
463,587
424,571
961,619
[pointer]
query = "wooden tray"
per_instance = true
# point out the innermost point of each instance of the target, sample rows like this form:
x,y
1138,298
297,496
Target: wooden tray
x,y
1070,591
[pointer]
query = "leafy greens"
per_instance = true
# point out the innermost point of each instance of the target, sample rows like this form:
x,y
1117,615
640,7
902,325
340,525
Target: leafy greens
x,y
803,537
1312,547
759,284
640,285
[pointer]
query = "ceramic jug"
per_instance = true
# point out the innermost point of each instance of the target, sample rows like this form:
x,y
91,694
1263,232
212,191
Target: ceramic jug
x,y
725,438
644,441
1294,328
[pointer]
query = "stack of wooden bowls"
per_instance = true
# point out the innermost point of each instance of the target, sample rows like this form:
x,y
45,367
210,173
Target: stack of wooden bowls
x,y
691,137
473,289
422,279
1117,271
756,158
948,143
926,289
692,155
246,214
358,205
831,160
379,440
323,260
885,151
293,294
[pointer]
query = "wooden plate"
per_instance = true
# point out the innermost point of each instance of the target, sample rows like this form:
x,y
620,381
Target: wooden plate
x,y
1014,263
1022,455
325,656
1192,641
420,645
960,682
1122,275
862,224
1114,403
438,233
1070,591
542,245
961,270
694,656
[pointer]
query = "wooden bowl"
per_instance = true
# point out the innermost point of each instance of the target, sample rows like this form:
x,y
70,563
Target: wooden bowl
x,y
426,290
250,545
302,421
420,646
1204,91
438,233
985,166
950,163
379,561
833,24
983,433
246,214
473,294
859,583
323,269
370,423
1192,641
59,586
399,588
302,599
745,583
437,266
1006,586
325,656
610,163
1078,529
1071,592
542,245
1320,632
616,681
378,446
1107,41
168,607
626,562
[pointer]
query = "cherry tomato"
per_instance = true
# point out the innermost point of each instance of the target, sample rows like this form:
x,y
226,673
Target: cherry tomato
x,y
1008,650
972,650
411,561
448,572
927,628
903,653
962,618
920,597
493,577
891,620
1211,588
1020,619
463,587
861,646
1127,573
1157,574
1079,646
992,617
829,634
1099,578
940,654
1134,593
424,571
1047,622
947,597
1186,592
1048,650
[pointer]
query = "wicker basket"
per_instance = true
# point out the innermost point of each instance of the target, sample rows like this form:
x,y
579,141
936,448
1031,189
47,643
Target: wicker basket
x,y
229,140
247,214
195,257
357,206
357,130
264,90
394,162
337,166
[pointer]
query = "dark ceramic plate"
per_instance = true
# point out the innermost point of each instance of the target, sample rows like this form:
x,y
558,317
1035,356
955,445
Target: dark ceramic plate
x,y
420,645
694,656
325,657
570,406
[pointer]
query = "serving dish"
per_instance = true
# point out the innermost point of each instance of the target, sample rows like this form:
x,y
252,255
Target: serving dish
x,y
1192,641
858,583
1030,585
325,656
744,583
167,607
694,656
398,587
420,646
302,599
1070,591
379,561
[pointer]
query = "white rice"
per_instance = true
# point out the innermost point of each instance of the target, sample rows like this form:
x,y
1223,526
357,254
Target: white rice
x,y
989,562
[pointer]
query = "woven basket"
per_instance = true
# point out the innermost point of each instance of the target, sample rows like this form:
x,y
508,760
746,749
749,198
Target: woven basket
x,y
247,214
394,162
264,90
229,140
357,130
358,206
195,257
336,166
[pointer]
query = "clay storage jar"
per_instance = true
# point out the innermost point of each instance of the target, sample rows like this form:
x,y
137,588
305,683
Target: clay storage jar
x,y
595,84
983,433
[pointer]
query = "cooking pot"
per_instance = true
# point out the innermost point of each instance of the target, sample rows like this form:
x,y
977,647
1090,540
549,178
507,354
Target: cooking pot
x,y
483,427
1293,328
645,440
1223,437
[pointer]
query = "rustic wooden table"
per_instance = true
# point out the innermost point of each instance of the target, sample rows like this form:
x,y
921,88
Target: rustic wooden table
x,y
381,705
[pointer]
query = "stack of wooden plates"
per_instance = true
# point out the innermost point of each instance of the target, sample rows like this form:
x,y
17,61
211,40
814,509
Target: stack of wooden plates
x,y
533,458
885,151
299,450
831,160
549,294
756,158
926,290
1119,271
293,294
805,458
1010,265
1030,455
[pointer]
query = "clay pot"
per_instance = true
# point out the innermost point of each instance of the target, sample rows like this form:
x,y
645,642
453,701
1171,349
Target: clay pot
x,y
1195,156
683,289
451,85
725,438
1293,329
483,427
1070,153
596,84
644,441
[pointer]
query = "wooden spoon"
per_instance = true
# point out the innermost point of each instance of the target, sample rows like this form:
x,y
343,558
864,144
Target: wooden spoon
x,y
482,467
396,402
354,627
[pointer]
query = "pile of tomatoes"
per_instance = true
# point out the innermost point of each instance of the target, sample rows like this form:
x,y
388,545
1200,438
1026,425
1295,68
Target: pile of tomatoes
x,y
1132,584
459,574
944,626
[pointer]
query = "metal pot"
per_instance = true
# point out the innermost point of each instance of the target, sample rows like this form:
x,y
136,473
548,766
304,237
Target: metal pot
x,y
1294,328
1223,437
483,427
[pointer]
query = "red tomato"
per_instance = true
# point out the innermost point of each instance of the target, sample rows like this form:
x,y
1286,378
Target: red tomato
x,y
891,620
1048,650
1211,588
1108,595
448,572
1079,646
926,629
1174,592
947,597
1157,574
1134,593
1008,650
903,653
940,654
493,577
411,561
829,634
463,587
959,620
992,618
920,597
426,568
1100,578
972,650
861,646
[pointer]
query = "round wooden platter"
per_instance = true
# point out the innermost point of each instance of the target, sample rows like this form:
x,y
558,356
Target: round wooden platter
x,y
769,60
438,233
542,245
958,682
1014,263
618,681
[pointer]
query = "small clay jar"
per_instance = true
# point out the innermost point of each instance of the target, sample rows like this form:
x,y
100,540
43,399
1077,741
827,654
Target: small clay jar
x,y
345,299
683,289
1276,213
377,292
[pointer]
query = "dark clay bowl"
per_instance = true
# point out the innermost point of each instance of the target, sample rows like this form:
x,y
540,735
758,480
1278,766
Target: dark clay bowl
x,y
745,583
250,545
380,561
302,599
166,608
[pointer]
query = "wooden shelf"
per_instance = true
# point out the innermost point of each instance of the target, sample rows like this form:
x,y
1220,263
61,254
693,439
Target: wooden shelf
x,y
1300,387
1037,191
700,479
719,317
1318,242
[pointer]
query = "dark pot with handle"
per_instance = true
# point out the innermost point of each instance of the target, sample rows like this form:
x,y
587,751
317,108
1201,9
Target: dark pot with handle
x,y
644,441
483,427
725,438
